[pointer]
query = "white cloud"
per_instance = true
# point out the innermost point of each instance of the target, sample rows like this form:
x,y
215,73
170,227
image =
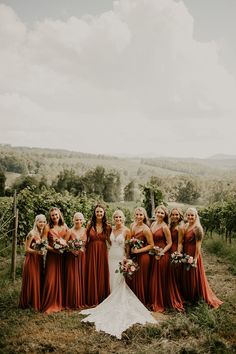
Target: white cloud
x,y
125,71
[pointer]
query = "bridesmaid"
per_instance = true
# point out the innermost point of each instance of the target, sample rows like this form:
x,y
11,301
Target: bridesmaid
x,y
33,267
140,231
75,266
159,287
98,232
52,300
176,269
196,286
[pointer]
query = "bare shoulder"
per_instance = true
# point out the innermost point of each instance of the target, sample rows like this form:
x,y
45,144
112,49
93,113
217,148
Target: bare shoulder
x,y
146,228
126,230
30,235
165,227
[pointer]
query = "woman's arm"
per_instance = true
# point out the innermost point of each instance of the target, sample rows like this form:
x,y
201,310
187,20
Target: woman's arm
x,y
198,235
180,239
147,233
197,250
127,246
167,234
28,241
68,235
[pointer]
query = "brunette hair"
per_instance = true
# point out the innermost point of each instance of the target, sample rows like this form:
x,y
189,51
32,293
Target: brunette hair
x,y
93,222
61,219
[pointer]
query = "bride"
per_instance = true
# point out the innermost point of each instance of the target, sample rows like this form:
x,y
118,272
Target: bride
x,y
121,309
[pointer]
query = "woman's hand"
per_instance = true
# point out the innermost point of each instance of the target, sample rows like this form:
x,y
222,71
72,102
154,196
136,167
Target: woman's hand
x,y
135,250
75,253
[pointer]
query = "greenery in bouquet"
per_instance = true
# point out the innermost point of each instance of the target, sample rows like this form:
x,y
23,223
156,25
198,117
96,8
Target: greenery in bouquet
x,y
176,258
188,261
135,243
127,267
157,252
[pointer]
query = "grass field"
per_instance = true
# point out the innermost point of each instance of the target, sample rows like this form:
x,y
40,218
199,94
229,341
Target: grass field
x,y
198,330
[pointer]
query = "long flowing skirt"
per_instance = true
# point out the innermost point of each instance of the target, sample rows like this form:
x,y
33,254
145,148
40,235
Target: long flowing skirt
x,y
75,268
31,282
53,284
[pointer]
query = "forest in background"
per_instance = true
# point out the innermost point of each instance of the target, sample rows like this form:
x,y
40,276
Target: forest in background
x,y
76,181
187,180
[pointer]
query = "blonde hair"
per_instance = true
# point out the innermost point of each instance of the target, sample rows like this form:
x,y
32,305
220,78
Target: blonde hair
x,y
181,214
198,229
118,211
78,214
36,220
145,220
166,211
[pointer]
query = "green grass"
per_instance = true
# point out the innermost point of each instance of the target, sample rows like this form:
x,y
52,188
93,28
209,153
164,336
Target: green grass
x,y
223,250
199,329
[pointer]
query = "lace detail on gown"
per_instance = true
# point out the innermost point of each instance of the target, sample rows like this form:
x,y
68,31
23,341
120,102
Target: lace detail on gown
x,y
121,309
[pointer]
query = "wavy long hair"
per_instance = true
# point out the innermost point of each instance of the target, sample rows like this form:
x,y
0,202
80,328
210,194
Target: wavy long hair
x,y
93,221
181,215
61,219
166,211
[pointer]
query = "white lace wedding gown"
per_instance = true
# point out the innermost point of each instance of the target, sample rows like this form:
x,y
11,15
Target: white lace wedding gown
x,y
121,309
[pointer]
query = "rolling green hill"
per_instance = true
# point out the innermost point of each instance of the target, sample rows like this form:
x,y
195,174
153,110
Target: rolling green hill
x,y
49,162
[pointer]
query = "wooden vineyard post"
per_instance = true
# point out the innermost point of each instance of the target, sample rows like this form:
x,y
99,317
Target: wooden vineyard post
x,y
14,239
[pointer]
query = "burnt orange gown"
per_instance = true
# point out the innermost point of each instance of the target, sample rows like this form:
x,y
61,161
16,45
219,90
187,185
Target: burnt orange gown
x,y
158,285
97,270
30,295
140,279
75,271
195,283
52,299
175,271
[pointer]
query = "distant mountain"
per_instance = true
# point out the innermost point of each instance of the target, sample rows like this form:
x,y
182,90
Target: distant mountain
x,y
50,162
222,157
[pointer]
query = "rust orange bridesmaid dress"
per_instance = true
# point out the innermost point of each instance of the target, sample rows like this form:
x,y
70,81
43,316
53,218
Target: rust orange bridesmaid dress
x,y
195,283
52,299
97,270
158,284
30,295
175,271
75,271
140,279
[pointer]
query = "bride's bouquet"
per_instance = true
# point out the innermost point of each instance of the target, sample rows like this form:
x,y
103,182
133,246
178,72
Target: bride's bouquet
x,y
157,252
135,243
60,245
75,245
127,267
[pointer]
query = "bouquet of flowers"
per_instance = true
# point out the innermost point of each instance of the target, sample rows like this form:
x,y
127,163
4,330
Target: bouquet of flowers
x,y
40,245
176,257
188,261
157,252
127,267
60,245
135,243
76,245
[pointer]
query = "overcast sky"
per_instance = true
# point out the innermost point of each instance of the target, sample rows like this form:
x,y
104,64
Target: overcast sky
x,y
149,77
